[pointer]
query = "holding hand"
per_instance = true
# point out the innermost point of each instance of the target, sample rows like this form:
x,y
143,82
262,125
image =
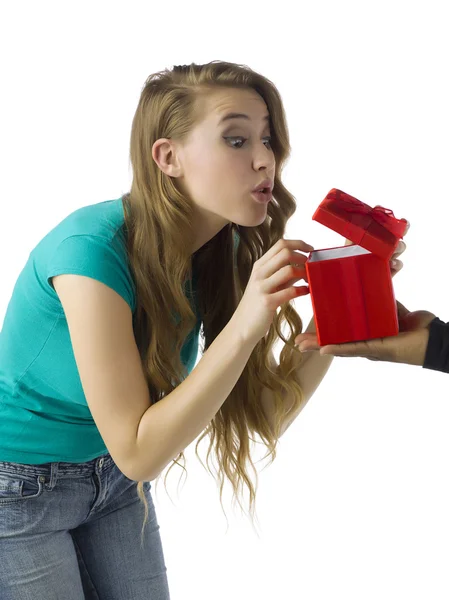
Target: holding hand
x,y
409,346
270,286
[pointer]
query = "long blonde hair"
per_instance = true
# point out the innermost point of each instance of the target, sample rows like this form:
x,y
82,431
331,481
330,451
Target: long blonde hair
x,y
158,222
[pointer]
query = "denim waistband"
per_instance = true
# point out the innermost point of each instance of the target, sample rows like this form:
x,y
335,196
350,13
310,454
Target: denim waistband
x,y
60,468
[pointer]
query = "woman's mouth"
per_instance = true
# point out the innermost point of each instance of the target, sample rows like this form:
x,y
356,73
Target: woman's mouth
x,y
264,196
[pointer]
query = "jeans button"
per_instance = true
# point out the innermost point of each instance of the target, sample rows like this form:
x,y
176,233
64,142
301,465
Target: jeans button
x,y
100,464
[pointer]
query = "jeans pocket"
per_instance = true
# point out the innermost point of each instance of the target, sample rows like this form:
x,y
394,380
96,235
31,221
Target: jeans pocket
x,y
16,487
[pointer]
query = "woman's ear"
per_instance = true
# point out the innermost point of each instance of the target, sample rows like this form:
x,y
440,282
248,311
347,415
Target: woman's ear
x,y
164,155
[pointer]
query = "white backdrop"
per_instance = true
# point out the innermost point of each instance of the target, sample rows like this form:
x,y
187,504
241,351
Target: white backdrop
x,y
355,506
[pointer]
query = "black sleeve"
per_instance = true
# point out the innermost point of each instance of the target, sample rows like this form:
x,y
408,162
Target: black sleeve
x,y
437,352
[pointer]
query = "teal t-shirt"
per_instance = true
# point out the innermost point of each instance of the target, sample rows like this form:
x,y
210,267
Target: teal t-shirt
x,y
44,416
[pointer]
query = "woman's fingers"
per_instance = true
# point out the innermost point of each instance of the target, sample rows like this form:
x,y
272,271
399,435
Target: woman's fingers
x,y
400,248
282,244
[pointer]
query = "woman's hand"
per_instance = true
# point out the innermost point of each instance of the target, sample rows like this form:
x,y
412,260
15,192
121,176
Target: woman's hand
x,y
409,346
271,285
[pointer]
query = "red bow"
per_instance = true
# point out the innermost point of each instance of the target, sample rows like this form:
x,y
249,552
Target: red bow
x,y
383,216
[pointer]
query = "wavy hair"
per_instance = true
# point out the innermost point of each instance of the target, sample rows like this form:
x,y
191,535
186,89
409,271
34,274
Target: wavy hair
x,y
159,228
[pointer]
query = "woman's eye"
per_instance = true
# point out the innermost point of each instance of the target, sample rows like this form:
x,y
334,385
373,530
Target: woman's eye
x,y
234,139
241,140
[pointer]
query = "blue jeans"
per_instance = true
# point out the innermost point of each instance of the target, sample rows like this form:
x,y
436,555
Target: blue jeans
x,y
72,531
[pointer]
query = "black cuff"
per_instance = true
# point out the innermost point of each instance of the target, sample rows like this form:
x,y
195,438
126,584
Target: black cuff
x,y
437,352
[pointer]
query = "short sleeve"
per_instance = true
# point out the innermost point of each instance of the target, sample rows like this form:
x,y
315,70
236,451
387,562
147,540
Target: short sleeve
x,y
236,237
96,257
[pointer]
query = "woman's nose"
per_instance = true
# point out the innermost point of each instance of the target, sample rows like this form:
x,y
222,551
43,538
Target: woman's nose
x,y
264,158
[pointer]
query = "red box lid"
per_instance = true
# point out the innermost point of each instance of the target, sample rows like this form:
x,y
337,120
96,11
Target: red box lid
x,y
376,229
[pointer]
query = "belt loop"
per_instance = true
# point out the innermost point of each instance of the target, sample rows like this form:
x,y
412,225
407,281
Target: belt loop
x,y
53,474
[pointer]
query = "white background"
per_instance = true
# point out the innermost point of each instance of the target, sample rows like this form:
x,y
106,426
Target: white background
x,y
356,504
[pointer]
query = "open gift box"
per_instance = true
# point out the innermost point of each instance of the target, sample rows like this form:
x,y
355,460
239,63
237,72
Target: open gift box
x,y
351,286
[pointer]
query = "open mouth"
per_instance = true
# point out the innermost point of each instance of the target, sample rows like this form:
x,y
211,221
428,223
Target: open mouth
x,y
264,195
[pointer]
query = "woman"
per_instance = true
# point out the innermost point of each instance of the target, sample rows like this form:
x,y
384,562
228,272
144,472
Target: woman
x,y
97,388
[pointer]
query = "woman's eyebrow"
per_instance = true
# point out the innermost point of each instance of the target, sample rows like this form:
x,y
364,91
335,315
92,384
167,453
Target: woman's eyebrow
x,y
239,116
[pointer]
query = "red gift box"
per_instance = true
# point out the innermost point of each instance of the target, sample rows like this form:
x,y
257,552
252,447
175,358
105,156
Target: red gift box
x,y
351,286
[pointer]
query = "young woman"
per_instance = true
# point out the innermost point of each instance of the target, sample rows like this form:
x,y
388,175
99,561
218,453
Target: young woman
x,y
98,393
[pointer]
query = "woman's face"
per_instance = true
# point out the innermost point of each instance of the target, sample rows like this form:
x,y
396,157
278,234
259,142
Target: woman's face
x,y
222,161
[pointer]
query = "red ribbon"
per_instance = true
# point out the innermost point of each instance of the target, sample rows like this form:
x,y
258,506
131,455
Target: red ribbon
x,y
383,216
